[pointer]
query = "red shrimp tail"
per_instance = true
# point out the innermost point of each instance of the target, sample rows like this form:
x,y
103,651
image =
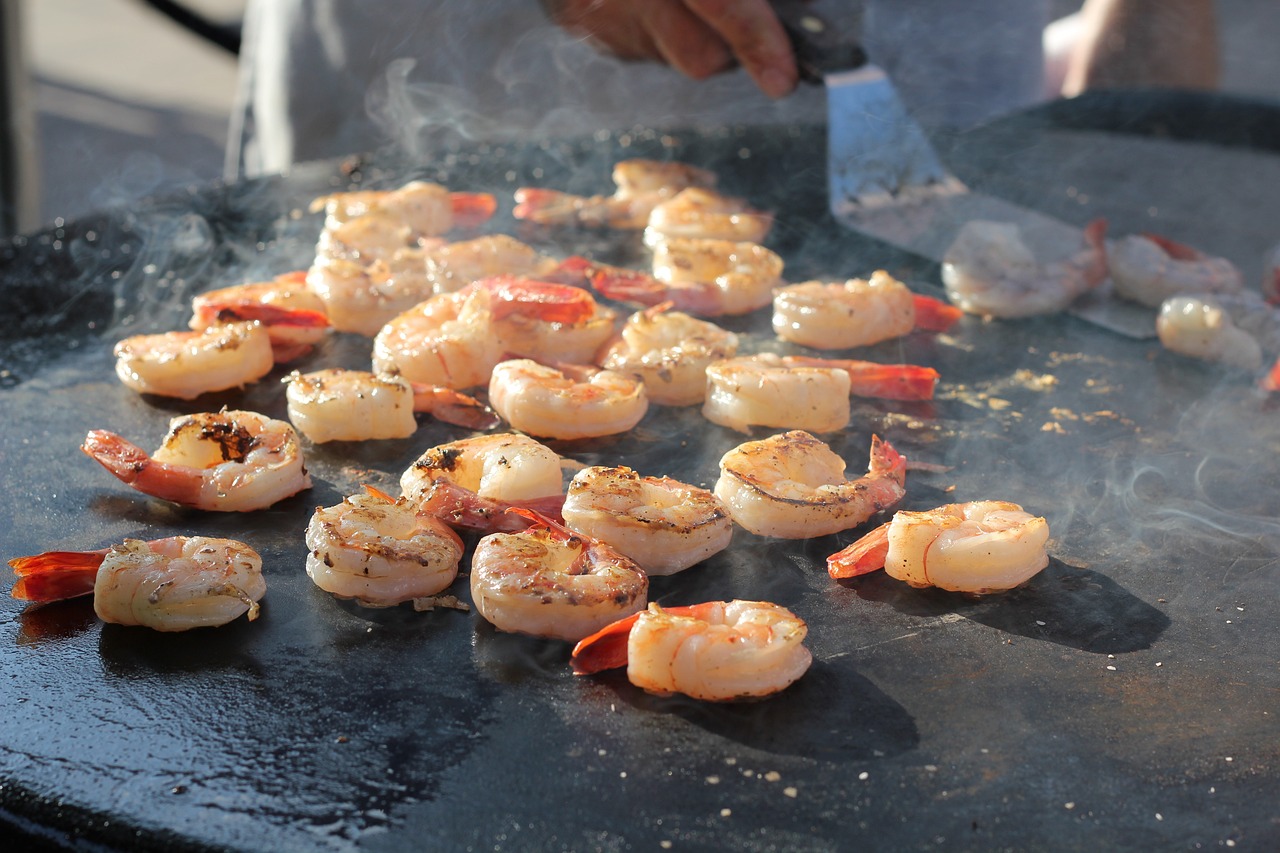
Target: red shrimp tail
x,y
605,649
1095,238
1175,250
544,206
935,315
463,509
133,466
862,557
575,270
270,315
881,381
1271,380
885,459
453,407
544,300
56,575
626,285
471,210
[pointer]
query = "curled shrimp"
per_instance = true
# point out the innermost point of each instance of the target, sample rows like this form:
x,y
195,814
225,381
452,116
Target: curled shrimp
x,y
380,551
424,208
566,401
799,392
548,581
640,185
669,352
1149,269
547,319
294,316
664,525
470,483
989,270
710,278
172,584
455,265
703,212
446,340
855,313
228,461
793,486
355,405
1202,328
188,364
975,547
717,651
361,297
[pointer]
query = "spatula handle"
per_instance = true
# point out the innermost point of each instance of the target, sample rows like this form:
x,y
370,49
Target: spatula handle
x,y
820,46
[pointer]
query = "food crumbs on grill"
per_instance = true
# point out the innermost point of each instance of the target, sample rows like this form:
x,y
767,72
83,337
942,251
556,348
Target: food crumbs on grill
x,y
1159,663
342,739
713,780
431,602
725,812
790,791
665,844
998,404
864,776
178,789
772,776
1069,806
1111,668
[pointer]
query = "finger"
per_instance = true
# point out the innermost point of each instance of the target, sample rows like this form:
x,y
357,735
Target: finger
x,y
685,41
755,37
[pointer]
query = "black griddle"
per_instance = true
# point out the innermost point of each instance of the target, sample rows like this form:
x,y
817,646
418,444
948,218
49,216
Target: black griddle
x,y
1126,698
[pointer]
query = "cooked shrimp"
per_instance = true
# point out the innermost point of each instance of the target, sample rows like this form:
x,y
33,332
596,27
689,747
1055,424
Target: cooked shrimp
x,y
380,551
793,486
975,547
798,392
447,340
669,352
172,584
664,525
455,265
548,581
470,483
702,212
425,208
990,270
1201,328
1149,269
710,278
188,364
640,186
228,461
717,651
566,401
362,297
356,405
547,320
855,313
295,316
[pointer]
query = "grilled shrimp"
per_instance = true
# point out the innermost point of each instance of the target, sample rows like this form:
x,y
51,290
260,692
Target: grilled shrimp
x,y
470,483
566,401
295,317
855,313
380,551
793,486
356,405
989,270
172,584
362,296
705,213
664,525
453,266
1149,269
640,186
188,364
228,461
548,581
974,547
669,352
446,340
717,651
424,208
1200,327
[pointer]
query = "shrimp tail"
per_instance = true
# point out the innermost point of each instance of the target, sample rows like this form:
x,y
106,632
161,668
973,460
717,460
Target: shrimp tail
x,y
1271,379
934,315
134,466
607,648
472,209
1095,237
862,557
623,285
544,206
453,407
549,301
464,509
56,575
881,381
270,315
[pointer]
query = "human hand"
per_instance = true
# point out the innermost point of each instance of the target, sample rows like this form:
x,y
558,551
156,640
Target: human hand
x,y
698,38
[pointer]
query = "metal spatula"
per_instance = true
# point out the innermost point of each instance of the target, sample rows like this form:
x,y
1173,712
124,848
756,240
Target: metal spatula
x,y
885,179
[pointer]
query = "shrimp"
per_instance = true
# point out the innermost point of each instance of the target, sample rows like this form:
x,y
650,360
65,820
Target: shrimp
x,y
362,297
380,551
470,483
446,340
710,278
566,401
664,525
1201,328
855,313
989,270
640,186
295,317
792,486
975,547
548,581
425,208
228,461
717,651
356,405
669,352
1149,269
798,392
455,265
188,364
702,212
547,320
172,584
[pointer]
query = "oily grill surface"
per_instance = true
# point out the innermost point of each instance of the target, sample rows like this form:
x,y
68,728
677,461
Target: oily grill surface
x,y
1127,695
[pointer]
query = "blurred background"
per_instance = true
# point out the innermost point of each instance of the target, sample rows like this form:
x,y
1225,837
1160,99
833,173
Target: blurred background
x,y
122,101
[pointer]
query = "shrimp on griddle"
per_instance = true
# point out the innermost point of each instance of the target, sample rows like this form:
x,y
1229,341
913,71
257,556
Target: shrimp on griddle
x,y
669,351
188,364
295,317
703,212
566,401
640,186
1149,269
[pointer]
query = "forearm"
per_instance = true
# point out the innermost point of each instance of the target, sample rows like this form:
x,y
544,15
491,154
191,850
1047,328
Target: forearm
x,y
1142,43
